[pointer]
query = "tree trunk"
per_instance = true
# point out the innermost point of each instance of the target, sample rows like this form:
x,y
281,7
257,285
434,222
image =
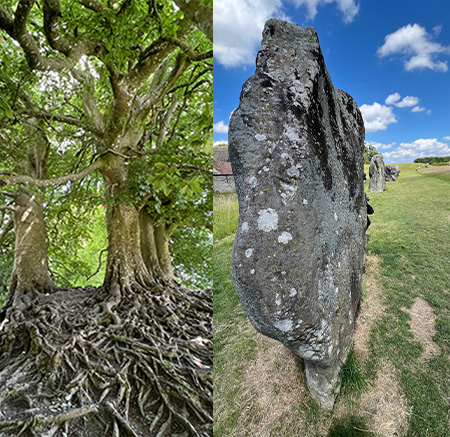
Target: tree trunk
x,y
162,236
125,263
30,271
155,247
138,251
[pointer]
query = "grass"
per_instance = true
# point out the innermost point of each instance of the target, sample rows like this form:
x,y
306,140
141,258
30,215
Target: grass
x,y
409,237
226,214
352,380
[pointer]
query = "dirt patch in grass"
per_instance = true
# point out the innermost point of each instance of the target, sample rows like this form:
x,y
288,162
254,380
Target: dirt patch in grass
x,y
439,169
273,389
370,310
423,327
385,405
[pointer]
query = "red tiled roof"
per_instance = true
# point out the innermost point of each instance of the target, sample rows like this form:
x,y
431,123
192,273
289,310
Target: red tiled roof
x,y
221,168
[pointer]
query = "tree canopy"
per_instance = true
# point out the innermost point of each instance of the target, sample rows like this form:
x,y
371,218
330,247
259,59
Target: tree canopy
x,y
105,174
369,152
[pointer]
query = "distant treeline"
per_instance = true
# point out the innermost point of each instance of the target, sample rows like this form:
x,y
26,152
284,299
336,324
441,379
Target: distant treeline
x,y
433,160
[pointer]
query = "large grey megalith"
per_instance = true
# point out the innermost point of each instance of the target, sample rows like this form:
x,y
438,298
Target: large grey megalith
x,y
296,147
391,173
377,174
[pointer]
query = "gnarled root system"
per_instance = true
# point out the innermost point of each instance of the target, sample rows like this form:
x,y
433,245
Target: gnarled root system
x,y
87,362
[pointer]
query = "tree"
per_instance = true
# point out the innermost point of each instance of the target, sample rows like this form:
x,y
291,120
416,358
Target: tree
x,y
369,151
128,108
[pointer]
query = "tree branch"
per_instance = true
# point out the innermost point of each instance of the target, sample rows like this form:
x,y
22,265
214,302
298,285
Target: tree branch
x,y
187,49
16,28
8,194
52,12
68,119
166,122
43,183
200,14
7,208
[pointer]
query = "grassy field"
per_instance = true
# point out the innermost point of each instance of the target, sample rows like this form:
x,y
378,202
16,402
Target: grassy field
x,y
402,339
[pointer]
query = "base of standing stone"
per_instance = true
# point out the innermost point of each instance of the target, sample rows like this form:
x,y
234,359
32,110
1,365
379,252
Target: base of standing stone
x,y
323,383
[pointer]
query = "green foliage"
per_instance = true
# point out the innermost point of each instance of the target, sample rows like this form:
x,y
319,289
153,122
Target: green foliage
x,y
77,250
434,160
191,249
170,173
369,152
6,264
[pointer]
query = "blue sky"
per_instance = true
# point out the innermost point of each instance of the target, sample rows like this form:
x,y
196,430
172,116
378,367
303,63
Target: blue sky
x,y
391,56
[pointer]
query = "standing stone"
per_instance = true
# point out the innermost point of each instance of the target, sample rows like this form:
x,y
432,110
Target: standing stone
x,y
377,182
296,147
391,173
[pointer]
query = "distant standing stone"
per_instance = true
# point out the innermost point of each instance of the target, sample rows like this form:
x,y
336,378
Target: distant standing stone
x,y
296,147
377,182
391,173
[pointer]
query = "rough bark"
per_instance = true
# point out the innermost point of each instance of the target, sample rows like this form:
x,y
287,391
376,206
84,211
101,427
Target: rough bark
x,y
30,271
200,14
162,236
125,264
156,259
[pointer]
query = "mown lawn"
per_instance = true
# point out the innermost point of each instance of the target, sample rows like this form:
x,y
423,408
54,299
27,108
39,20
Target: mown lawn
x,y
410,240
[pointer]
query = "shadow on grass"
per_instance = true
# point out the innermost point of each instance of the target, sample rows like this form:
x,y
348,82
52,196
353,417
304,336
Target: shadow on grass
x,y
350,426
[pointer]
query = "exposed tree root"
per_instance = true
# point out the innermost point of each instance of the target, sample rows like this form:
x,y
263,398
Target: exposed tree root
x,y
77,364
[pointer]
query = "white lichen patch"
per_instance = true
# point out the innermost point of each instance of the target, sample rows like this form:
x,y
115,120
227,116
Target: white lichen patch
x,y
244,227
268,220
293,171
289,192
290,133
260,137
292,292
248,253
305,202
335,216
252,271
284,238
253,181
284,325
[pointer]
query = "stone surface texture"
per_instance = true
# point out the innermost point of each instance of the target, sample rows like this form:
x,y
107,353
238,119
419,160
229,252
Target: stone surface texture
x,y
391,172
377,182
296,147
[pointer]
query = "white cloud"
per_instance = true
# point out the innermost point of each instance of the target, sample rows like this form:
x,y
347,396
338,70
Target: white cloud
x,y
392,98
418,109
220,127
377,117
349,8
418,149
218,143
416,46
238,24
406,102
447,138
381,146
429,112
437,30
